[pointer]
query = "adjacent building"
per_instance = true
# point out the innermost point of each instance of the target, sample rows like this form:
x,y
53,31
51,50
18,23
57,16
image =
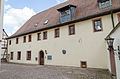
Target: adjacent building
x,y
68,34
113,40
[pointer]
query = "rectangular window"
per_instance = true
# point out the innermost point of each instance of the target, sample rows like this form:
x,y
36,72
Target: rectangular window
x,y
17,40
104,3
97,25
19,55
24,39
10,42
11,56
44,35
28,55
57,33
29,38
107,3
49,57
83,64
72,30
39,36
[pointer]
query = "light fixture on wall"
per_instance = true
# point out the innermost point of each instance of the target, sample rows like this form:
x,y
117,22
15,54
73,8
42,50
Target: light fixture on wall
x,y
46,52
110,46
110,42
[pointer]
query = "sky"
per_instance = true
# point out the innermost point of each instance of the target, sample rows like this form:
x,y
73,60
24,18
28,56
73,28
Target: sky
x,y
17,12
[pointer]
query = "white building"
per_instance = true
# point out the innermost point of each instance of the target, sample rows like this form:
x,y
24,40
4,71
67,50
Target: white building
x,y
115,34
69,34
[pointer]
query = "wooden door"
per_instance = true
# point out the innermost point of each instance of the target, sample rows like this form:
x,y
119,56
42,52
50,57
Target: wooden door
x,y
112,61
41,58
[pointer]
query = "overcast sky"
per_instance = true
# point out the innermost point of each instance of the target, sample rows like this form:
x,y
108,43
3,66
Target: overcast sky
x,y
17,12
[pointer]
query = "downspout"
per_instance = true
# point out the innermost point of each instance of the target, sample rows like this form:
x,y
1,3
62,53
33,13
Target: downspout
x,y
7,57
112,18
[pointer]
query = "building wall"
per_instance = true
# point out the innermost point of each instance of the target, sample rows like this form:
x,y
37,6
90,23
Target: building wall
x,y
116,35
85,45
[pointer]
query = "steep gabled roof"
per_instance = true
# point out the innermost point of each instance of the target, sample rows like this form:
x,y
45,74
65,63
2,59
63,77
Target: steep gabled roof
x,y
85,9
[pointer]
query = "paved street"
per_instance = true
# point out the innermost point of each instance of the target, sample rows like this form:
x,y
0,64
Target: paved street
x,y
15,71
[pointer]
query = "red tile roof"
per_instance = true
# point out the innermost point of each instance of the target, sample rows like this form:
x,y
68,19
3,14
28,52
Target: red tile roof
x,y
84,8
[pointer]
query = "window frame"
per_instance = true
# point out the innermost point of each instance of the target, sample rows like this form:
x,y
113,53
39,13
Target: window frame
x,y
73,25
99,19
24,39
56,32
9,42
11,55
38,36
18,57
27,57
17,40
104,4
44,35
29,38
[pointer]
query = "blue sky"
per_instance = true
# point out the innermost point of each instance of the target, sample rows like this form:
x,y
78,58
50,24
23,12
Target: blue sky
x,y
17,12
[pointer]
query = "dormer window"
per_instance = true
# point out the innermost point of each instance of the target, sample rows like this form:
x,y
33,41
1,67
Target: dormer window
x,y
36,24
104,4
46,22
66,13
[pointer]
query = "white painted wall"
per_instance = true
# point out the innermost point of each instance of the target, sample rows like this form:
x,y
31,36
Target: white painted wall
x,y
85,45
116,35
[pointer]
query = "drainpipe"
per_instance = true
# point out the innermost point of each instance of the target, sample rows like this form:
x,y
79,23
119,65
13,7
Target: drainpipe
x,y
7,57
112,18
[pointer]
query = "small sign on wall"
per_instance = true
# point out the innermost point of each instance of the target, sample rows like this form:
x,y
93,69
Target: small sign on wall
x,y
49,57
36,58
64,51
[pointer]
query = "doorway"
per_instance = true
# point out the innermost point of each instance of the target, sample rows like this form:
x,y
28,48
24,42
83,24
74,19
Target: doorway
x,y
41,58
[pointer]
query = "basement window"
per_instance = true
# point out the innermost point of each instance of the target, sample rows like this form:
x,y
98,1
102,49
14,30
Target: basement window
x,y
83,64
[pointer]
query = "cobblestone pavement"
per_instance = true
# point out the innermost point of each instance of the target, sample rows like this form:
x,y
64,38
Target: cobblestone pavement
x,y
15,71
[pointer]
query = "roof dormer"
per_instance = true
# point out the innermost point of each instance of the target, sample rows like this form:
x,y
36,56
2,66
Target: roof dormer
x,y
104,3
66,13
